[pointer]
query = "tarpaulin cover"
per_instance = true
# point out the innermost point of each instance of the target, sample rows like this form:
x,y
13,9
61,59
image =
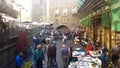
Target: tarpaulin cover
x,y
85,21
105,18
115,15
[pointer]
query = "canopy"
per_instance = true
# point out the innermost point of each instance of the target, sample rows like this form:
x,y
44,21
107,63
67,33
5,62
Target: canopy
x,y
113,1
44,23
85,21
115,14
105,18
89,6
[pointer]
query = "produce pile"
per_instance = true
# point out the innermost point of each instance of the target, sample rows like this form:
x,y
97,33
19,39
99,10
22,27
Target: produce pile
x,y
28,65
94,64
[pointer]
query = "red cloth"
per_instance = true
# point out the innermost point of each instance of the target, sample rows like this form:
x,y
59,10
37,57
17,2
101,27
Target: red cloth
x,y
22,40
89,47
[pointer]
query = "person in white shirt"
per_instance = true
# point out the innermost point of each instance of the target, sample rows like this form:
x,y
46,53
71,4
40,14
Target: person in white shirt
x,y
64,38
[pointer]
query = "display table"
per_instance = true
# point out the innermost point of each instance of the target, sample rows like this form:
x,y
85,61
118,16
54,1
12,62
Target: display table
x,y
78,53
84,61
95,53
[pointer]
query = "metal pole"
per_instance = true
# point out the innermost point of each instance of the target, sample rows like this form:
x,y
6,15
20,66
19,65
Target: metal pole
x,y
115,33
109,29
20,14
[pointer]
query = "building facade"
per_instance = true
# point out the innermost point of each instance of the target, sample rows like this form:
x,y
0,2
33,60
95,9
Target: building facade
x,y
62,12
38,10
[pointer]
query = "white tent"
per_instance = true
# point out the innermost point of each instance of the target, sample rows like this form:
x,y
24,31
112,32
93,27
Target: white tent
x,y
44,23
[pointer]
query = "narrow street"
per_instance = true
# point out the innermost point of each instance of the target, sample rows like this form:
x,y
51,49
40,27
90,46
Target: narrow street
x,y
59,45
58,55
93,26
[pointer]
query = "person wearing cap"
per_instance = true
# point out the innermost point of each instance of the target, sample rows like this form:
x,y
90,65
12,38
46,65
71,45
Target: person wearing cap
x,y
39,57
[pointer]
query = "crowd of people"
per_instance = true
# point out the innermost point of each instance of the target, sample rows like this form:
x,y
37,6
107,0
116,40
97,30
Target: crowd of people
x,y
46,44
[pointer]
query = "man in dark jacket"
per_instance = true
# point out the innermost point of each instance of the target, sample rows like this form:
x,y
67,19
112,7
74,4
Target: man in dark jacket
x,y
48,54
115,53
65,56
70,52
53,53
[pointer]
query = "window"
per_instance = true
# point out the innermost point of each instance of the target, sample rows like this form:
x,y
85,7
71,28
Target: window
x,y
64,19
57,11
64,12
73,18
74,10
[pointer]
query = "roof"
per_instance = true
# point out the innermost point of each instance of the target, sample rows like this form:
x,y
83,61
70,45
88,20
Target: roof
x,y
8,9
88,6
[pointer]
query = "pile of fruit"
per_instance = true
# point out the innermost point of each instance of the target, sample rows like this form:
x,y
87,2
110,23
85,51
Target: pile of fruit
x,y
28,65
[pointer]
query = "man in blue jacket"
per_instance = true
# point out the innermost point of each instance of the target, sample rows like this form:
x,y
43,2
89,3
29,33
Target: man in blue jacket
x,y
19,60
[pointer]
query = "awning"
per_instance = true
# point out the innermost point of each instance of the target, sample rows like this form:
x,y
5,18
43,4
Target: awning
x,y
115,14
85,21
7,9
90,6
113,1
105,18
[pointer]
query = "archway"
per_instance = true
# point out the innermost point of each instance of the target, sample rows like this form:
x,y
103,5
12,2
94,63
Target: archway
x,y
62,27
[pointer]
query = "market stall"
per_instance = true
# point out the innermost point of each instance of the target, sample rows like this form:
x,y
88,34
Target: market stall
x,y
96,53
81,60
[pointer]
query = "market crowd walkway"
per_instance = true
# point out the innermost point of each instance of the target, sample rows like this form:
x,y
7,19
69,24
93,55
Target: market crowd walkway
x,y
58,55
